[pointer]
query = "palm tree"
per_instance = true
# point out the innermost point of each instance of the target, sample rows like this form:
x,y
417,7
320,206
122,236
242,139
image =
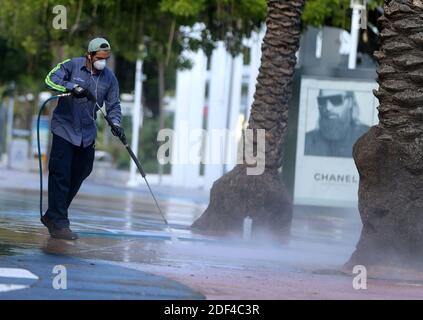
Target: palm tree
x,y
389,157
263,197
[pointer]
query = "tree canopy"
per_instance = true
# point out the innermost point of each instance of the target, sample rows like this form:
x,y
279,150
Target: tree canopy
x,y
31,45
26,27
331,12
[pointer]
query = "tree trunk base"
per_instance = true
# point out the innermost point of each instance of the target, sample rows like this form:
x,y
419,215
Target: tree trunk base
x,y
390,200
237,195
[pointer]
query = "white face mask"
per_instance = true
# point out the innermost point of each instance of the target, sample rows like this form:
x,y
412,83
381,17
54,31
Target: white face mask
x,y
100,64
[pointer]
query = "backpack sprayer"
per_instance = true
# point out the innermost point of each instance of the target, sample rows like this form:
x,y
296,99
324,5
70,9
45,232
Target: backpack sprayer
x,y
122,138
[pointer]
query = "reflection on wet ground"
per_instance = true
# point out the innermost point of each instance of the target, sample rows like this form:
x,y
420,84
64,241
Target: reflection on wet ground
x,y
7,250
110,229
121,228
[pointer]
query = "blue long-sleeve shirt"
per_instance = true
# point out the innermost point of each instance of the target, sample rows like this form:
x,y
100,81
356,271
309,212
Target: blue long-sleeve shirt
x,y
74,118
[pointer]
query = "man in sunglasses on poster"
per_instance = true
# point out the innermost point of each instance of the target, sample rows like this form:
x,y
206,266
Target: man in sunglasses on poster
x,y
338,127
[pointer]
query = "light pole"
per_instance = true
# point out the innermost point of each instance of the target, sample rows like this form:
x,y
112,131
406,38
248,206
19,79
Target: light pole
x,y
10,113
359,11
137,114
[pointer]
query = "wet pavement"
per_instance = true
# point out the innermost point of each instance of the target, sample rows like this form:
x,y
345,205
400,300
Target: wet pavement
x,y
126,252
85,280
112,224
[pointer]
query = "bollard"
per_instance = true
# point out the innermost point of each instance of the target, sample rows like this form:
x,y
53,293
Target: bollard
x,y
248,222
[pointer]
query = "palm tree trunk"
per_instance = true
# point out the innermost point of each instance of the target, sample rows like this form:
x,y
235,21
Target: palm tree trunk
x,y
263,197
389,157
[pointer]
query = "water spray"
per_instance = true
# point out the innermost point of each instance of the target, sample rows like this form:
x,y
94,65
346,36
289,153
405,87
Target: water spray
x,y
140,168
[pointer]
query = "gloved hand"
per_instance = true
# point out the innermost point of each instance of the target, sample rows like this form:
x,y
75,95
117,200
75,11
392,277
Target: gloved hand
x,y
80,92
118,131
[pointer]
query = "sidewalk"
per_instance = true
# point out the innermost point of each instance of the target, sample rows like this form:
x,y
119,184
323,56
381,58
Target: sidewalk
x,y
121,228
31,276
15,179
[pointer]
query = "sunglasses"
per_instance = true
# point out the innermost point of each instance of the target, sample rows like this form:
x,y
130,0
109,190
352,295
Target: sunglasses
x,y
336,100
98,58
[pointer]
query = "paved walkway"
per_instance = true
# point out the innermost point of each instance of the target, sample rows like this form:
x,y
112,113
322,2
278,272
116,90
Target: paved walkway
x,y
109,220
120,229
32,276
16,179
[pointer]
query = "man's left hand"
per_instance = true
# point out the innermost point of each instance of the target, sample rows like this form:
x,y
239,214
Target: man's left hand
x,y
118,131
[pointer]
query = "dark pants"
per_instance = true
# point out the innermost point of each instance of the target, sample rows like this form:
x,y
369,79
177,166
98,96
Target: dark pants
x,y
69,166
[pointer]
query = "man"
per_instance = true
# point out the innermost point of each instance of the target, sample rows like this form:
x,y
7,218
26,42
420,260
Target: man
x,y
74,129
338,127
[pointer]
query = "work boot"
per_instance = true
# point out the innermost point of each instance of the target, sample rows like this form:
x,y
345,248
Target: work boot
x,y
63,233
59,233
47,222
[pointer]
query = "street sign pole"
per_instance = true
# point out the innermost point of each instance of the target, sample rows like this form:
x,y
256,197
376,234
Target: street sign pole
x,y
137,118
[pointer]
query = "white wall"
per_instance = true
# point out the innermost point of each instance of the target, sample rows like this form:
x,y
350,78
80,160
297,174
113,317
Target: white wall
x,y
225,79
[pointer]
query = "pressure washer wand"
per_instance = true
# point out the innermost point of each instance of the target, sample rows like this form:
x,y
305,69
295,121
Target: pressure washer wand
x,y
138,164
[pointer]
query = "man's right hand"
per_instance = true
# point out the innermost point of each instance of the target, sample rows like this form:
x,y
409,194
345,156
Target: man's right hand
x,y
80,92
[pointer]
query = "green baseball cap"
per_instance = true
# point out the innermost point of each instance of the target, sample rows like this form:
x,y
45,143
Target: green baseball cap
x,y
99,44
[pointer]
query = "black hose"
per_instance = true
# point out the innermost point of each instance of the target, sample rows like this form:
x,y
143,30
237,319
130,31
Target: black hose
x,y
40,162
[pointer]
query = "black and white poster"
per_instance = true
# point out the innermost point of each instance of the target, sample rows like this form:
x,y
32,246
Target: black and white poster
x,y
333,114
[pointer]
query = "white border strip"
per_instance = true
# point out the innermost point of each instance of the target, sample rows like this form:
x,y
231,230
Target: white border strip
x,y
17,273
12,287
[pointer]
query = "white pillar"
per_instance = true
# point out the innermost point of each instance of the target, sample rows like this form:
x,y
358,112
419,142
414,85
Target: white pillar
x,y
234,113
10,113
217,113
352,59
137,118
190,102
